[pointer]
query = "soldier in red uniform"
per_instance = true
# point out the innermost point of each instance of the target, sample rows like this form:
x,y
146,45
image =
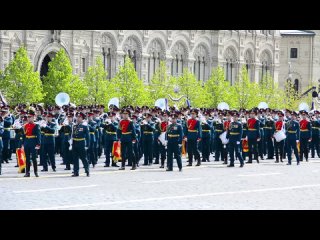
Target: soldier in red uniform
x,y
279,146
305,135
225,148
163,126
253,135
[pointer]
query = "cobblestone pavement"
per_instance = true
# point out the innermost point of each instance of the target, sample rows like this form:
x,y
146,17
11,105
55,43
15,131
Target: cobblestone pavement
x,y
212,185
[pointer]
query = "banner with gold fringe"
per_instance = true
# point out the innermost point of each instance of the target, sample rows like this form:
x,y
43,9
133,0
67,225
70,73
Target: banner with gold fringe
x,y
21,156
116,151
183,151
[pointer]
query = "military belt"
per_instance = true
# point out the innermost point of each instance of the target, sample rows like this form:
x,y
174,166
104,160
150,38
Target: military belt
x,y
49,134
234,133
252,129
173,135
79,139
192,130
292,131
205,130
67,134
31,136
42,132
111,132
316,127
218,130
92,133
304,130
268,127
148,132
7,129
126,133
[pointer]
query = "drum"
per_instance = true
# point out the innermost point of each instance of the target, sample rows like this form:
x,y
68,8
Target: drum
x,y
12,134
280,135
224,138
162,138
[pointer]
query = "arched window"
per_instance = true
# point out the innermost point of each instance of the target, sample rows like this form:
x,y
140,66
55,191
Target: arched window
x,y
296,85
179,56
248,57
132,49
108,52
265,64
201,55
231,58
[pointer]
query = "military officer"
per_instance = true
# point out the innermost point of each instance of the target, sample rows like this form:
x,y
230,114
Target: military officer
x,y
48,143
206,137
174,141
163,128
279,146
127,136
234,135
218,129
7,123
253,135
92,125
110,127
31,142
147,131
226,125
66,136
193,135
80,143
305,135
269,130
293,135
314,145
136,147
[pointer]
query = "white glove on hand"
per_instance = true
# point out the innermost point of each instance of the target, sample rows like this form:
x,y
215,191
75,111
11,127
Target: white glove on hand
x,y
180,145
297,141
86,148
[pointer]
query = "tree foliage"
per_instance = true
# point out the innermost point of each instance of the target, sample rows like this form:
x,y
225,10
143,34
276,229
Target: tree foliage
x,y
20,84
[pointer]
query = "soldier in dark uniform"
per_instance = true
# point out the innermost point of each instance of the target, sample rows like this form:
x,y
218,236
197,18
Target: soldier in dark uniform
x,y
48,143
193,135
305,135
163,129
218,130
314,145
1,143
127,136
7,123
269,130
80,144
110,127
226,124
136,148
31,142
157,147
261,144
293,135
147,129
234,135
206,137
66,136
253,136
97,134
92,125
174,140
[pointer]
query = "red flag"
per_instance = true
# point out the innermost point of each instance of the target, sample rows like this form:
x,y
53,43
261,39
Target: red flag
x,y
21,159
245,146
116,151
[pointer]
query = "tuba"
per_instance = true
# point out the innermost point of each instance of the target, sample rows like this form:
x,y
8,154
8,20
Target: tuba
x,y
62,99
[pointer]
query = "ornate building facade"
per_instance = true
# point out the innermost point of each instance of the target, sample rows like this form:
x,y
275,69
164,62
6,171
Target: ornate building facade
x,y
197,50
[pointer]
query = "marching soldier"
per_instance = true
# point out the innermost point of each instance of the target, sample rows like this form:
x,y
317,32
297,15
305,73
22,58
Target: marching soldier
x,y
314,145
31,142
193,136
253,135
157,146
305,136
48,143
261,143
7,123
147,128
279,146
293,135
226,125
218,129
163,128
1,144
206,137
136,147
80,143
127,136
174,141
92,131
110,136
66,136
269,130
234,135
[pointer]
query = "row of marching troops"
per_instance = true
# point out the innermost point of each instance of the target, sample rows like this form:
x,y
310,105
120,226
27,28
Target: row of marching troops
x,y
154,135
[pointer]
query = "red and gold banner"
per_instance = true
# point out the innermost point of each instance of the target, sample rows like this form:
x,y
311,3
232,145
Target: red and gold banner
x,y
183,150
116,151
21,156
245,146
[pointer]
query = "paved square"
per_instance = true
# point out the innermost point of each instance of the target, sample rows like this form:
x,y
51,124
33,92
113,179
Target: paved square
x,y
267,185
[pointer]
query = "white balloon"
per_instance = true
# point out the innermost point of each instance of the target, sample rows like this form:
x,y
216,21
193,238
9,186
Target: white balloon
x,y
263,105
114,101
223,106
304,106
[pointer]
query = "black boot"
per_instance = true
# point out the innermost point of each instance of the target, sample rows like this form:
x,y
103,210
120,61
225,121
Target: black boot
x,y
27,175
36,174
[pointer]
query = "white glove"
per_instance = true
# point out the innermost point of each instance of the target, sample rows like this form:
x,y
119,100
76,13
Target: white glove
x,y
238,142
180,145
297,141
86,148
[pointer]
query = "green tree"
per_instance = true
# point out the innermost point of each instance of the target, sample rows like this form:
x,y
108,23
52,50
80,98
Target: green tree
x,y
77,90
290,96
128,87
217,88
20,83
98,85
161,83
244,92
59,77
190,87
